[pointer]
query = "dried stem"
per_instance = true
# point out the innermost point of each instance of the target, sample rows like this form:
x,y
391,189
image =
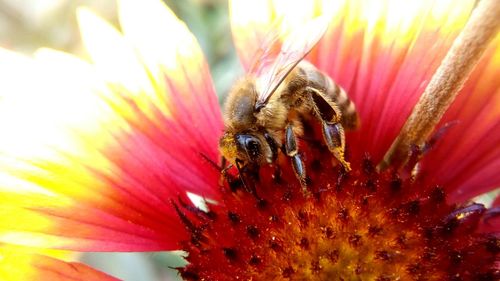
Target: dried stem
x,y
446,82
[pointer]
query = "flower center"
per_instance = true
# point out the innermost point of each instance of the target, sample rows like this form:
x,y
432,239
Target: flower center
x,y
363,225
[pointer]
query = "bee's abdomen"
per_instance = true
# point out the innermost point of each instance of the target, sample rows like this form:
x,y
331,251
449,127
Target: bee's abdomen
x,y
337,95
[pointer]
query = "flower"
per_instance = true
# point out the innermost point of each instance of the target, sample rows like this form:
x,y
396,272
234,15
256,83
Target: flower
x,y
102,159
19,263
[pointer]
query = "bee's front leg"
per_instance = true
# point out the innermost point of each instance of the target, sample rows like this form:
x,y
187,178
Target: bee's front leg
x,y
293,152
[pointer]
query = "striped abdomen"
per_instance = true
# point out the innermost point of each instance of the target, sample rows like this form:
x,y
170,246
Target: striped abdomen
x,y
318,80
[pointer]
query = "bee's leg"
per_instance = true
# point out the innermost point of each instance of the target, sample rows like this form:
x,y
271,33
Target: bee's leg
x,y
273,145
274,150
333,132
292,152
334,136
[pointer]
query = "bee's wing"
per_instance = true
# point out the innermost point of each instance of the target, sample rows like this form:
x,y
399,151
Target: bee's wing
x,y
276,58
269,49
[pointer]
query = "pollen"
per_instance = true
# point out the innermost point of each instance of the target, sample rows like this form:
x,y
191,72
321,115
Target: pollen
x,y
361,225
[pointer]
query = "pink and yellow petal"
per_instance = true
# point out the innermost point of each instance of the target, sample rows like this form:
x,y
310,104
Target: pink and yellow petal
x,y
106,159
384,56
181,76
39,220
178,70
182,104
18,264
43,155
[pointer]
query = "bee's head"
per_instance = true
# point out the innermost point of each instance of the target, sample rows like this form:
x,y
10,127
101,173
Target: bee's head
x,y
245,147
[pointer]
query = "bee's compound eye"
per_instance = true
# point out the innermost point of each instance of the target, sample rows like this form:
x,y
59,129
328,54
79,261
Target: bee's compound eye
x,y
252,147
250,143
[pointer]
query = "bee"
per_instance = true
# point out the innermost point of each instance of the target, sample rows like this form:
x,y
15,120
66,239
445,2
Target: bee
x,y
265,109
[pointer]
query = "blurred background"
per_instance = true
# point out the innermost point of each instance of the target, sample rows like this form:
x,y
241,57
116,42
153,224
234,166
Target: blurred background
x,y
26,25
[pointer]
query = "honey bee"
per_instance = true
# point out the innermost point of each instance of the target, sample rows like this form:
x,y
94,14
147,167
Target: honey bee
x,y
266,107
